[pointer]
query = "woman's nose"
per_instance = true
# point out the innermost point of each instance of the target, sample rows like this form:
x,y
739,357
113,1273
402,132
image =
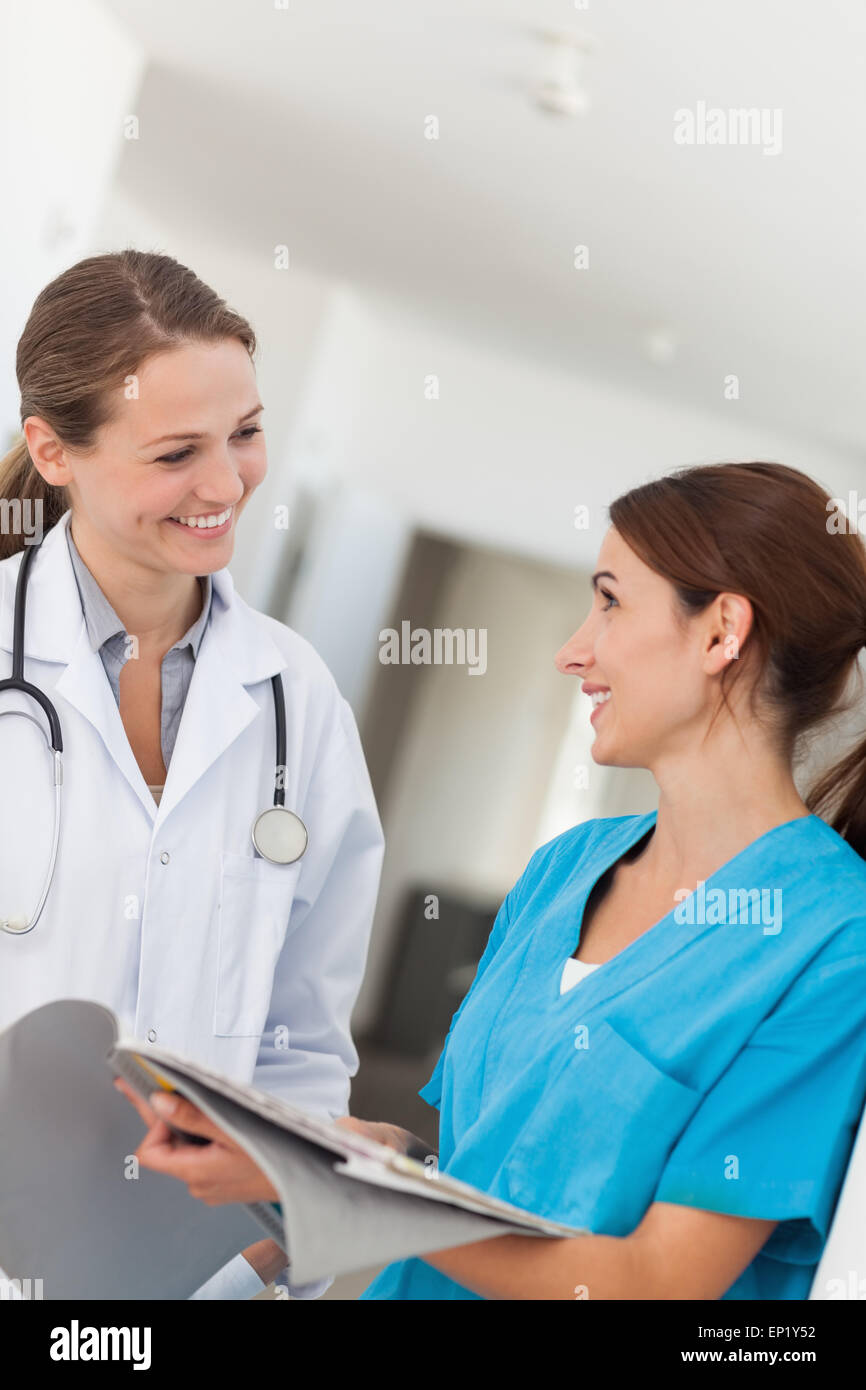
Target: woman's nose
x,y
220,480
575,656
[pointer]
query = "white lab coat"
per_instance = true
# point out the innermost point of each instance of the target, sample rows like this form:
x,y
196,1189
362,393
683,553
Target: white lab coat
x,y
163,913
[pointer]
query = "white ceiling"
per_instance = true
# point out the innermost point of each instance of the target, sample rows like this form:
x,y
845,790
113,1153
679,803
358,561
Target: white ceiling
x,y
305,125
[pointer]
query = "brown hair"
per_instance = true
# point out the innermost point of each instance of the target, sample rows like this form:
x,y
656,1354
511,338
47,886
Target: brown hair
x,y
763,530
90,329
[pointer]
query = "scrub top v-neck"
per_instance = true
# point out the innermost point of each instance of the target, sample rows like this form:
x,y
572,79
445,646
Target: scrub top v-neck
x,y
573,971
714,1062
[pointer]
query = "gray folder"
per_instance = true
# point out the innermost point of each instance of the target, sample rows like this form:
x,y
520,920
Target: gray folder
x,y
74,1214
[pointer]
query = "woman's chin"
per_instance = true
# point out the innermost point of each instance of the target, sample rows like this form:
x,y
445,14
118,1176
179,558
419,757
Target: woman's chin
x,y
606,754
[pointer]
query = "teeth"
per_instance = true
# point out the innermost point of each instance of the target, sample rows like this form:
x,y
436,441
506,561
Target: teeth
x,y
598,697
204,523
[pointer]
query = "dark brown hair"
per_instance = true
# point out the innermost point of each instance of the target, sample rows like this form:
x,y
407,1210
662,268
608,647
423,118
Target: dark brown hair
x,y
764,530
88,331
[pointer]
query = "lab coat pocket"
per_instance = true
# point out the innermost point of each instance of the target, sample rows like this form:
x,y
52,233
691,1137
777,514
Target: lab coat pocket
x,y
593,1147
254,911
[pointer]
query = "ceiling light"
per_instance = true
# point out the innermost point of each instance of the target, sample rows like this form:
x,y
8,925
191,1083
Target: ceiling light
x,y
661,346
560,89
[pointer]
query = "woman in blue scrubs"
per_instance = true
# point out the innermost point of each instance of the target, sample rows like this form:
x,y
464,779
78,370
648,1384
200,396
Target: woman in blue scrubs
x,y
691,1100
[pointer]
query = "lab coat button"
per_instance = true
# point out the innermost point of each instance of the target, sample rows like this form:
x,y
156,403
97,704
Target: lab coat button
x,y
151,1035
164,857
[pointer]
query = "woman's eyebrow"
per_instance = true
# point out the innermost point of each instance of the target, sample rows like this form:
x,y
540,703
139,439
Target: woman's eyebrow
x,y
603,574
190,434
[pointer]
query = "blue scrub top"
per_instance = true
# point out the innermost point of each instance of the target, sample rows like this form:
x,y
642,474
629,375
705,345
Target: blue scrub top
x,y
718,1061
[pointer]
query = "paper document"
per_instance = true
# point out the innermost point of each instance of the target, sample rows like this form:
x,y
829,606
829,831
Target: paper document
x,y
75,1213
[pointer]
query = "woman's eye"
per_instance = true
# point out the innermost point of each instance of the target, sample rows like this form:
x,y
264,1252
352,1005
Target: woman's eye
x,y
611,601
182,454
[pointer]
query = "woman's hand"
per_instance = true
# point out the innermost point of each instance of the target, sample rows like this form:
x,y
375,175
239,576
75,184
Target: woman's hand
x,y
266,1257
218,1172
396,1138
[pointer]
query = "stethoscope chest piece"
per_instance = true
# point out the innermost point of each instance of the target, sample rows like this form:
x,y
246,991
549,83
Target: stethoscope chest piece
x,y
16,926
279,835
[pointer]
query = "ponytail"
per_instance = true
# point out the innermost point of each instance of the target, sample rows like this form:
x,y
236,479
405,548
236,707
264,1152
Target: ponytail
x,y
839,797
25,499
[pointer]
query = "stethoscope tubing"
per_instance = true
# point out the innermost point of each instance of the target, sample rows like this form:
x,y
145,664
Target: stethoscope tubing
x,y
17,683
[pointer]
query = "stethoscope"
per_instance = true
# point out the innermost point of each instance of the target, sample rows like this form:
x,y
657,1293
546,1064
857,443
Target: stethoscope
x,y
277,834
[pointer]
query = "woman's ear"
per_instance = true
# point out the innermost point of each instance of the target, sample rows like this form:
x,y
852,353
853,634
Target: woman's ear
x,y
46,451
730,623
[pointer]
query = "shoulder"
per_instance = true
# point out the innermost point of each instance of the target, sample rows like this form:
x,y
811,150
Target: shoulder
x,y
837,883
315,699
830,880
576,848
589,838
304,662
11,564
9,568
832,854
305,670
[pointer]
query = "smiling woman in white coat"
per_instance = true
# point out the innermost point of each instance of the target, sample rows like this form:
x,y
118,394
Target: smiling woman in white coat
x,y
141,445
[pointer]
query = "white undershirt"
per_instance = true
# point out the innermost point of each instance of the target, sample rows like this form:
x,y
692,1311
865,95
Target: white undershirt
x,y
574,971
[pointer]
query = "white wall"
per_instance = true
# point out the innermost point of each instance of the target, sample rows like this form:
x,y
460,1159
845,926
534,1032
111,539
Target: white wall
x,y
510,447
501,458
344,592
69,75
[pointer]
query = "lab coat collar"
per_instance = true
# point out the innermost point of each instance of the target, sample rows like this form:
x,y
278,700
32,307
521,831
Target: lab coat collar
x,y
236,651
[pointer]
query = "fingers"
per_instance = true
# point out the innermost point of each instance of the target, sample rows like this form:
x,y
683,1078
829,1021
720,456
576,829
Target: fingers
x,y
392,1136
159,1139
184,1115
213,1174
181,1112
159,1133
146,1114
395,1137
161,1152
349,1122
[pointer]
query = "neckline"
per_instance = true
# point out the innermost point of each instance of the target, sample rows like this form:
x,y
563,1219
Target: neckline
x,y
643,824
579,977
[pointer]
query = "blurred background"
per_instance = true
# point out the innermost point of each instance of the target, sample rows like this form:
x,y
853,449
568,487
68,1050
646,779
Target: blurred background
x,y
493,287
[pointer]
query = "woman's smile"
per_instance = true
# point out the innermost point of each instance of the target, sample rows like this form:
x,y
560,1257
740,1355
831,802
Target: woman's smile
x,y
205,524
596,711
599,700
